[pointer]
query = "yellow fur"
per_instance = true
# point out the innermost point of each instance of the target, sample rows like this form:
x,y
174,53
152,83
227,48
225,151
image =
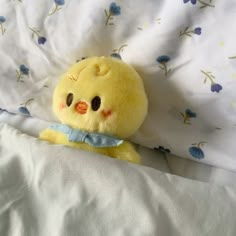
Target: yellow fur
x,y
122,110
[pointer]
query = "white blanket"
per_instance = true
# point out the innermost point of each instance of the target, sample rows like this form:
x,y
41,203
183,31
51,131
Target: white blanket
x,y
52,190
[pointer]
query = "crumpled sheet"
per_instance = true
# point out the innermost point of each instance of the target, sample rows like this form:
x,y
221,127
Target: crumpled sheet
x,y
52,190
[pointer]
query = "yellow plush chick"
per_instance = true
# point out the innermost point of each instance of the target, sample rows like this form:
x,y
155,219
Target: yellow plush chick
x,y
100,102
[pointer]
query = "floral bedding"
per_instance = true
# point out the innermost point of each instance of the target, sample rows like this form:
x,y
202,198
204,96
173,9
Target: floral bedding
x,y
184,50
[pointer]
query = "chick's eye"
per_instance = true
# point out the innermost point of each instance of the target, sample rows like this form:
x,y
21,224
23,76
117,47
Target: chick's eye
x,y
96,102
69,99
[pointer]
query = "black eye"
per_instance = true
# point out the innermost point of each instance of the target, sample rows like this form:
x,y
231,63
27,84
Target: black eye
x,y
96,102
69,99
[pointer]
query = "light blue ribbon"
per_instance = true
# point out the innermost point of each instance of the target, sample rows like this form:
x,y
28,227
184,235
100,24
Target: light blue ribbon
x,y
93,139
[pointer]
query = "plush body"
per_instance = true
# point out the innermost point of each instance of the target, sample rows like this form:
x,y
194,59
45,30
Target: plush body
x,y
102,95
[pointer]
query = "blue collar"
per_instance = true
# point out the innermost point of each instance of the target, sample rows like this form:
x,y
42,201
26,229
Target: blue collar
x,y
93,139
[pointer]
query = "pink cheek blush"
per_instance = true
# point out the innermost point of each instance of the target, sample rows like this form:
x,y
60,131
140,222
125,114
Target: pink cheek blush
x,y
61,106
106,114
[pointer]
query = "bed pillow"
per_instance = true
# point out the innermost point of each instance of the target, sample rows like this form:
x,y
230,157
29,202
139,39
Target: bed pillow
x,y
185,53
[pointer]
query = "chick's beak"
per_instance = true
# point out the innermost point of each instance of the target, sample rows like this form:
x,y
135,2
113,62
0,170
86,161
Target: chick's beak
x,y
81,107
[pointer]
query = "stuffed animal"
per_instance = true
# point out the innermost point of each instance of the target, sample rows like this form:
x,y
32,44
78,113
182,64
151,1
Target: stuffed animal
x,y
100,102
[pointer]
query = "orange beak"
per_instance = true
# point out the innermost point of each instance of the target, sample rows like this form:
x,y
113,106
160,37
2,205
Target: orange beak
x,y
81,107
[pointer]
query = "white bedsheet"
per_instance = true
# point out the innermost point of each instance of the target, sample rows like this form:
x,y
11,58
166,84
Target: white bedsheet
x,y
53,190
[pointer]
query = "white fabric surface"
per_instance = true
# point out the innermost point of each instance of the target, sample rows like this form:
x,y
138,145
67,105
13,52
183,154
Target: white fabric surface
x,y
164,162
52,190
147,30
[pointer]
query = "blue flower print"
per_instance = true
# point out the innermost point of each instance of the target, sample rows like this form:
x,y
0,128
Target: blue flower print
x,y
188,32
215,87
60,2
201,3
56,7
116,55
197,30
188,115
196,150
41,40
2,20
23,70
192,1
162,60
24,111
116,52
23,108
114,10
